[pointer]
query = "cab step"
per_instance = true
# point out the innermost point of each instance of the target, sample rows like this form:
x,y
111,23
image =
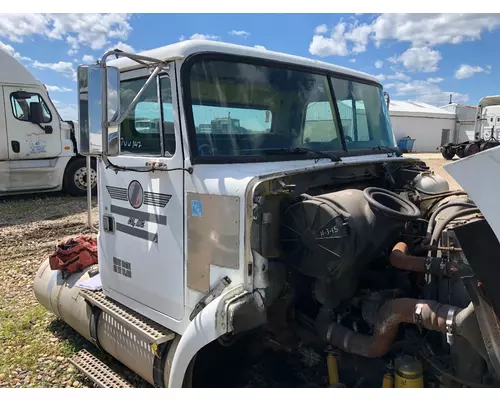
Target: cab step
x,y
94,369
153,332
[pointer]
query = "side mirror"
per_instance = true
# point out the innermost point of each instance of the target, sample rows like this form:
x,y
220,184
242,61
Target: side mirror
x,y
36,113
90,112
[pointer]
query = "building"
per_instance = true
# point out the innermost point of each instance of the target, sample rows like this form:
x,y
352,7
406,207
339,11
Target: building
x,y
428,125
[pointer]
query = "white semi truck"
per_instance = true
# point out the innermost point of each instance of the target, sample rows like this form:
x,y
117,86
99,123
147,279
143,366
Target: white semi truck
x,y
38,150
486,131
305,253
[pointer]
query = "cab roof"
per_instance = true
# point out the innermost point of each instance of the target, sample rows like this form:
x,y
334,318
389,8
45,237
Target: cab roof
x,y
186,48
13,72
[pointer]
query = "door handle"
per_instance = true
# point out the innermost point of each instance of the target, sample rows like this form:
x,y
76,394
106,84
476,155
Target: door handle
x,y
16,147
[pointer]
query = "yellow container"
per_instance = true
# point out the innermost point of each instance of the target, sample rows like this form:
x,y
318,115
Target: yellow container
x,y
333,371
408,373
388,380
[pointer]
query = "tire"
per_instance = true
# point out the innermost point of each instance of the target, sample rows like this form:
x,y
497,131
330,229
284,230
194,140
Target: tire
x,y
75,177
470,149
461,152
486,146
448,153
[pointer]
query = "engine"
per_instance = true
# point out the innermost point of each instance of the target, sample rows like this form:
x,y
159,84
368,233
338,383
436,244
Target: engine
x,y
334,236
373,272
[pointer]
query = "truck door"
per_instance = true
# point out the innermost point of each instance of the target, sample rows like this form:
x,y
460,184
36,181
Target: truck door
x,y
497,127
27,140
488,125
141,256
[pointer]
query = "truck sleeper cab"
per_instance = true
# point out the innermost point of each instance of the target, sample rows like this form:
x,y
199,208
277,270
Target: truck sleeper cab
x,y
208,235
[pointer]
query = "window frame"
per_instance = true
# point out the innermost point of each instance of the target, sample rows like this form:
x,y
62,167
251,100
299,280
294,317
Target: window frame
x,y
12,97
157,85
185,69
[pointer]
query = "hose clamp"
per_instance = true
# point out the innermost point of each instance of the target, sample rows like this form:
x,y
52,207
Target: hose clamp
x,y
450,325
428,265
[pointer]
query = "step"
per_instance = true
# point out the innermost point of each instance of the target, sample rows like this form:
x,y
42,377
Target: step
x,y
93,368
150,330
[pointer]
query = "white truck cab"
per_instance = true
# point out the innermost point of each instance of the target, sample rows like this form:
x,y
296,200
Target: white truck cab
x,y
303,231
38,150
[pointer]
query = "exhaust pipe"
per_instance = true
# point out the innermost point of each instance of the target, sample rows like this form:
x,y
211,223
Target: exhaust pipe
x,y
427,314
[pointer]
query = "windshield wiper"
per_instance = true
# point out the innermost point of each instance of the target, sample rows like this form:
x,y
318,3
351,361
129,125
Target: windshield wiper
x,y
301,150
390,150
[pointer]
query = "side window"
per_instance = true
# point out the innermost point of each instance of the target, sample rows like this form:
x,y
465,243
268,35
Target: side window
x,y
319,125
140,131
21,104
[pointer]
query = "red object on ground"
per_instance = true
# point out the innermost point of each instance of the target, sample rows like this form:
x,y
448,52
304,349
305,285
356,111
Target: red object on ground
x,y
74,255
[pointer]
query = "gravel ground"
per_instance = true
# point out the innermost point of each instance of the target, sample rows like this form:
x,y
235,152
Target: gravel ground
x,y
34,344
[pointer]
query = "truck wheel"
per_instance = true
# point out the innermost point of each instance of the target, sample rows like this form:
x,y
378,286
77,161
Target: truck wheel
x,y
75,179
448,153
486,145
471,149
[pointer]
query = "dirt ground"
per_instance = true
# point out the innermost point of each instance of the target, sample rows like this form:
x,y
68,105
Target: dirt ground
x,y
34,344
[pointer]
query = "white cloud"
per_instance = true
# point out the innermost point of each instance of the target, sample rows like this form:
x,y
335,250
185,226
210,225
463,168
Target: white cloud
x,y
359,36
424,92
421,30
10,50
123,47
418,59
51,88
201,36
92,30
352,60
320,29
15,27
88,59
335,45
398,76
434,80
379,64
182,38
432,29
63,67
244,34
258,46
466,71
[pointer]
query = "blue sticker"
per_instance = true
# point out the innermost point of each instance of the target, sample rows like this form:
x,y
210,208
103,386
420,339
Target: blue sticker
x,y
196,208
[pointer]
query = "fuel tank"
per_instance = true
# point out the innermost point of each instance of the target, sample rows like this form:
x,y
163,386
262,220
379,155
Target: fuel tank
x,y
64,299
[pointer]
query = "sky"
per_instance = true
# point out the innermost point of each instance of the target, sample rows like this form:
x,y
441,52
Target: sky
x,y
417,57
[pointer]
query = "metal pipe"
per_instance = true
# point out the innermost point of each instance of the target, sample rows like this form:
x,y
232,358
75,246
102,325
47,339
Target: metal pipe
x,y
400,259
462,213
442,207
89,193
425,313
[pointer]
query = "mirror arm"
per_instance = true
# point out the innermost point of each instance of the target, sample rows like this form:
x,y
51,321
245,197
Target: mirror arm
x,y
159,66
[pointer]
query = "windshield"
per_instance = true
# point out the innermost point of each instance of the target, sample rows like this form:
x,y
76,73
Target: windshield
x,y
364,115
242,109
